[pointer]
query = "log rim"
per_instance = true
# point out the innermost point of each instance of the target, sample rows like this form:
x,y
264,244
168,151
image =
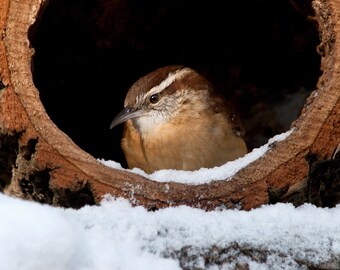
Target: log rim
x,y
139,189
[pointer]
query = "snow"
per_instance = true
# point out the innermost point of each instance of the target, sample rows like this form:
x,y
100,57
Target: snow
x,y
115,235
204,175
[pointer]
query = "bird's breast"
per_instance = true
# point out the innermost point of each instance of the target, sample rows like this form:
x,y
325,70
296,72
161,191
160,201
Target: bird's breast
x,y
193,144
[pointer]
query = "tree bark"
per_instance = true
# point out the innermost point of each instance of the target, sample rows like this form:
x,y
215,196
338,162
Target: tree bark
x,y
40,162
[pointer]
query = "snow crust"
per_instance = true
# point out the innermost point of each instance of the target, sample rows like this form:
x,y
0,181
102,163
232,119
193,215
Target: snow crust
x,y
115,235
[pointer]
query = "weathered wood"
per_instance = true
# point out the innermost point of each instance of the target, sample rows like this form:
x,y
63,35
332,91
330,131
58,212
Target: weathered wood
x,y
40,162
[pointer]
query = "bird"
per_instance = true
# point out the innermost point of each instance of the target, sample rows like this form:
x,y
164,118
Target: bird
x,y
174,119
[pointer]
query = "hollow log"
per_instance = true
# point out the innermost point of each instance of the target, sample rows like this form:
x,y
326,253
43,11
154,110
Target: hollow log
x,y
40,162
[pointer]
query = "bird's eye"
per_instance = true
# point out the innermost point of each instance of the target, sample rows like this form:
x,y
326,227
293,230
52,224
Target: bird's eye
x,y
154,98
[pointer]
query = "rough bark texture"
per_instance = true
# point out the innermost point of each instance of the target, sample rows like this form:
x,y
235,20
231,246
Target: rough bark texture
x,y
39,162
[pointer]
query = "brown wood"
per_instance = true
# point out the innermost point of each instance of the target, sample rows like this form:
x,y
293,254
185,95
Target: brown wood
x,y
40,162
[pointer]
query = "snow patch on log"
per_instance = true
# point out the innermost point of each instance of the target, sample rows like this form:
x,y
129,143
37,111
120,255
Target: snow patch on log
x,y
205,175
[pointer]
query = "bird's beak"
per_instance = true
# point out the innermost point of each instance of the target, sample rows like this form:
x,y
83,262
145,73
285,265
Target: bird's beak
x,y
126,114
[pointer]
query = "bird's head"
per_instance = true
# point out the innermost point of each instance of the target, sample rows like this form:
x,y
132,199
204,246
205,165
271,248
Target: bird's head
x,y
163,95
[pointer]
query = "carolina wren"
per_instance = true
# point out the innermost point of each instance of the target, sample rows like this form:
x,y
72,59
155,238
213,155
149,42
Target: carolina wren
x,y
175,120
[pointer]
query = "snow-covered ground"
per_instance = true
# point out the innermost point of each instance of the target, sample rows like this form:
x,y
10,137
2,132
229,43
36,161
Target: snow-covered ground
x,y
115,235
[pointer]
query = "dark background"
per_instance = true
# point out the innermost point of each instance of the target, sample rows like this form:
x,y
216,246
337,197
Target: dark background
x,y
261,54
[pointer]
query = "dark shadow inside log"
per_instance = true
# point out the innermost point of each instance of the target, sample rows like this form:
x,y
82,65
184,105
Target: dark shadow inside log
x,y
260,54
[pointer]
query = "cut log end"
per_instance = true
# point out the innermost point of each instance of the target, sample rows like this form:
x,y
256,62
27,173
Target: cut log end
x,y
40,162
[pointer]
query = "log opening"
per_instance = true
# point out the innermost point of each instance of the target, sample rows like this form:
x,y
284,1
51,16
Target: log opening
x,y
260,55
46,165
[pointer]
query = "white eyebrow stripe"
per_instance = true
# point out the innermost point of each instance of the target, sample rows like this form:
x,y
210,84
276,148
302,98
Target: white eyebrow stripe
x,y
169,80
